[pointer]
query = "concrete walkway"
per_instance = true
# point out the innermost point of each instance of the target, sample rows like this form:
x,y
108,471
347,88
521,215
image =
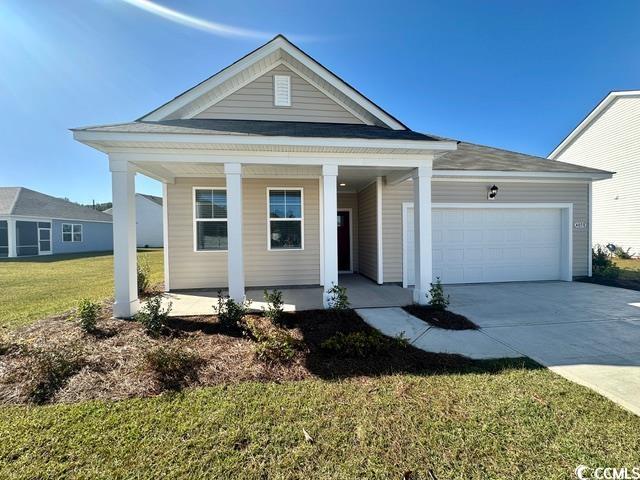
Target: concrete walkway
x,y
589,334
470,343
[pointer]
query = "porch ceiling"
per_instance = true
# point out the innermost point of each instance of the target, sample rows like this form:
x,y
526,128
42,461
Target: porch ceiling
x,y
349,178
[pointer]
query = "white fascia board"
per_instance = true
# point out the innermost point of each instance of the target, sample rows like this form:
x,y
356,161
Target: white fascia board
x,y
36,218
511,174
588,119
93,136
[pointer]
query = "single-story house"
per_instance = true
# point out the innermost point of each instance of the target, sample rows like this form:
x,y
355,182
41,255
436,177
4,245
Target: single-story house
x,y
276,172
609,138
32,223
149,232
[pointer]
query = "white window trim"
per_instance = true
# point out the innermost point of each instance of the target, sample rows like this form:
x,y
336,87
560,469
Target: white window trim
x,y
50,251
196,220
72,240
301,219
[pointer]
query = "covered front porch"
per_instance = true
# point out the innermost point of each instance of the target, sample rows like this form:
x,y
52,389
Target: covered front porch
x,y
241,220
362,292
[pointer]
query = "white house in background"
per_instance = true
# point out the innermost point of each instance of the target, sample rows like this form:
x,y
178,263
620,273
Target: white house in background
x,y
609,139
148,220
276,172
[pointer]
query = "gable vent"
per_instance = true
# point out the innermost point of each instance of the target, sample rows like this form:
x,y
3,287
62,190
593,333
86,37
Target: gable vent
x,y
282,90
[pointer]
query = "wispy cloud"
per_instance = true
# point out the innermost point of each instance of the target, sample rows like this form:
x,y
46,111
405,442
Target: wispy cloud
x,y
198,23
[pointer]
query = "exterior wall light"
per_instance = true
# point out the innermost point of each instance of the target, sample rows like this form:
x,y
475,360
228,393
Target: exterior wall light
x,y
493,193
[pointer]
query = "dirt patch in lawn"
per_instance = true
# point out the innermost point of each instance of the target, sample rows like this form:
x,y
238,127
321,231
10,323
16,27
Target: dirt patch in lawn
x,y
440,318
62,363
629,284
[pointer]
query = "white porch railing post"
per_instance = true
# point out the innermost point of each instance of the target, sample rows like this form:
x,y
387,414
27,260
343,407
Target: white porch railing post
x,y
330,228
12,238
124,238
422,232
235,258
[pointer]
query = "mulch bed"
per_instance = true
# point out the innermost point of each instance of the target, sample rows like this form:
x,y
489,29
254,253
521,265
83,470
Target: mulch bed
x,y
440,318
112,360
612,282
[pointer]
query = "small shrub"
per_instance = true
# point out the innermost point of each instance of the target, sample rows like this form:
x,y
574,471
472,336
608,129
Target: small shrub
x,y
87,314
276,348
152,316
172,367
231,313
361,344
622,253
49,371
274,310
273,344
437,299
338,299
602,264
144,274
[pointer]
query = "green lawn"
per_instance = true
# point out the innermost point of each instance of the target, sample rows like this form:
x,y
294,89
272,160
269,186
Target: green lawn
x,y
33,288
629,269
520,422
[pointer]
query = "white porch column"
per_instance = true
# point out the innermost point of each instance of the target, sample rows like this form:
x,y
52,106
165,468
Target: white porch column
x,y
165,235
329,228
422,227
11,237
235,259
124,238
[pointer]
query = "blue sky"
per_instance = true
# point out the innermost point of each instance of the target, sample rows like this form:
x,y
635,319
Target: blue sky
x,y
512,74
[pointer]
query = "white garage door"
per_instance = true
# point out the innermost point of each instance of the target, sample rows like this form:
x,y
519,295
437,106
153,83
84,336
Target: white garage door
x,y
474,245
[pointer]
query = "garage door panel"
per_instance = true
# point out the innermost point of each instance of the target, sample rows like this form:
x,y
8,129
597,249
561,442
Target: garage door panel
x,y
473,245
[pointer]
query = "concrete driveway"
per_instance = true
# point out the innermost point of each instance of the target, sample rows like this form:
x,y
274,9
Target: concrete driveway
x,y
587,333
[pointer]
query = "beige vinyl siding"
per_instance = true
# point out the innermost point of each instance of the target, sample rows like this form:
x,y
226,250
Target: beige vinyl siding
x,y
476,192
190,269
255,101
612,142
368,237
350,200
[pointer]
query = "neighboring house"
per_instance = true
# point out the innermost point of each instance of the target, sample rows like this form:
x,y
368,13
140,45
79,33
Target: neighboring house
x,y
609,138
148,220
32,223
276,172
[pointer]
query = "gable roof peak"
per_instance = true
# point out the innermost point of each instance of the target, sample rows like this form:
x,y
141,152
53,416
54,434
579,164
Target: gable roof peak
x,y
278,50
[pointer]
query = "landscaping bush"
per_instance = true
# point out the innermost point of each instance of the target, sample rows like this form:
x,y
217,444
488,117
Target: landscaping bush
x,y
437,299
361,344
49,370
144,274
338,299
274,310
231,313
152,316
87,314
172,367
602,264
623,254
273,344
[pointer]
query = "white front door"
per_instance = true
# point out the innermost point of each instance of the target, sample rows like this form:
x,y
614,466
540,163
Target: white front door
x,y
475,245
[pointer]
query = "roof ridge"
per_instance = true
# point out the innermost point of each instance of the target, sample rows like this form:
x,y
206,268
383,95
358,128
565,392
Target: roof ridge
x,y
15,199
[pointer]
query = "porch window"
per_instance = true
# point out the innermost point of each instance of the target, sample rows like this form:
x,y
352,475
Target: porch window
x,y
71,232
210,216
286,219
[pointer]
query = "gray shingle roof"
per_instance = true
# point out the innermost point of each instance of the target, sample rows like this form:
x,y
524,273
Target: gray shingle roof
x,y
26,202
470,156
153,198
264,128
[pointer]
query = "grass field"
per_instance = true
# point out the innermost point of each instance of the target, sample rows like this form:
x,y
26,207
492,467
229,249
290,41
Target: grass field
x,y
629,269
521,422
36,287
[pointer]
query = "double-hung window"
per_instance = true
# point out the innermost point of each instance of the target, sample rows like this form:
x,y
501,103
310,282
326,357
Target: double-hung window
x,y
71,232
210,217
286,221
